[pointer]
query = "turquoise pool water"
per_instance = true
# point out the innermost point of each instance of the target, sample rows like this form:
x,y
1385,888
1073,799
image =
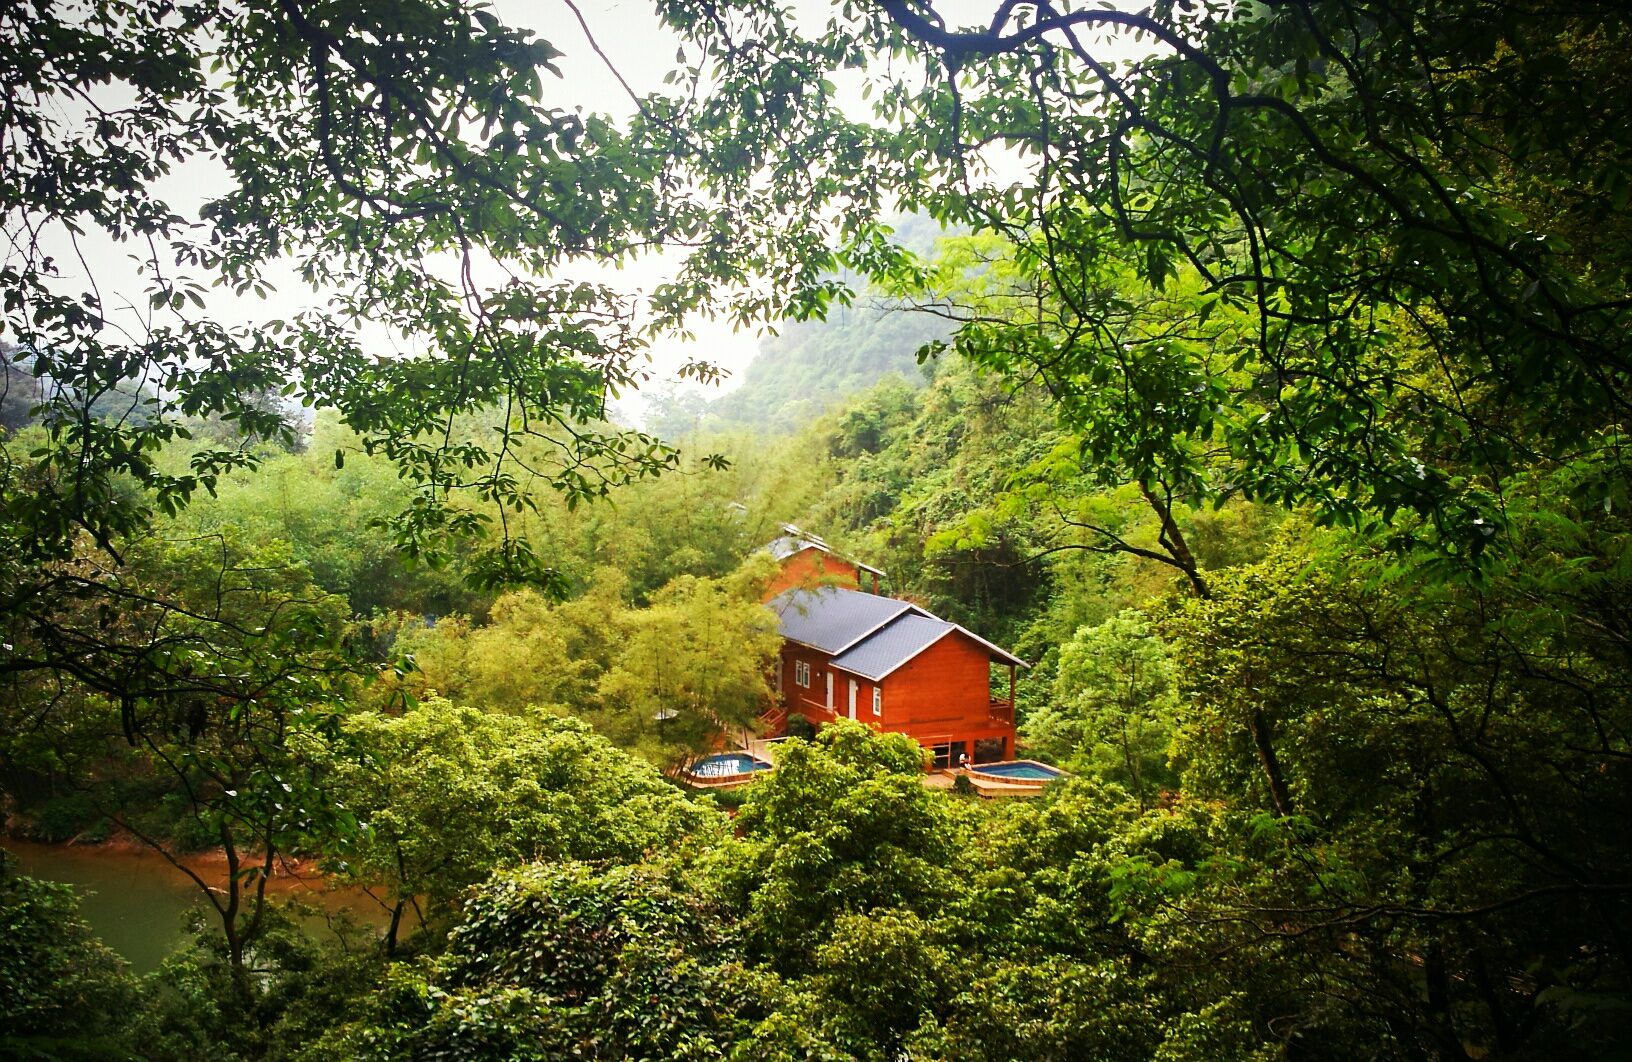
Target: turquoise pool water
x,y
726,764
1032,772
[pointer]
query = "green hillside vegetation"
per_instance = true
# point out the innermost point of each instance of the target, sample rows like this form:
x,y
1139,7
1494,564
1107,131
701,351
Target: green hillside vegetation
x,y
1280,432
855,913
812,367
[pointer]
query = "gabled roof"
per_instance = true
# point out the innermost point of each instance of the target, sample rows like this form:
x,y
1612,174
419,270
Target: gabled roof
x,y
892,645
866,634
832,618
794,541
998,652
786,546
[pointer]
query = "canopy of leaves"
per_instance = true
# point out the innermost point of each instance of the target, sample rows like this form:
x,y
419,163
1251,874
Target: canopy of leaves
x,y
1353,249
444,796
1114,706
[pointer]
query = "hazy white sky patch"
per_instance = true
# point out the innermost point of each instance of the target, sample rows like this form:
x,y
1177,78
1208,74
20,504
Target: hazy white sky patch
x,y
642,52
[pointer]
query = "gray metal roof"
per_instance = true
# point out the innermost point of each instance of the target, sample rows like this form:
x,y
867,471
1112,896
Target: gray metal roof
x,y
867,635
892,645
831,618
796,541
799,532
786,546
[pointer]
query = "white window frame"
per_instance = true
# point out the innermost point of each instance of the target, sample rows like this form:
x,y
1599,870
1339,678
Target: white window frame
x,y
878,700
801,674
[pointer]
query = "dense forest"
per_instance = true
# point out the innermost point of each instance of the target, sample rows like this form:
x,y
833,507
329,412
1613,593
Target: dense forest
x,y
1260,385
811,367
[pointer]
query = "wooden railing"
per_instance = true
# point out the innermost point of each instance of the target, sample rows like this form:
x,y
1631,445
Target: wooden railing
x,y
771,720
1000,711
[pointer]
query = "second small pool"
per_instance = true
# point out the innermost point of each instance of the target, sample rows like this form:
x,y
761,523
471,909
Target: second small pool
x,y
1019,771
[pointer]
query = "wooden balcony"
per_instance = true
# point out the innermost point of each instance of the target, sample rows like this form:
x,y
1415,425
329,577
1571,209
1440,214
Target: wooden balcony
x,y
1000,711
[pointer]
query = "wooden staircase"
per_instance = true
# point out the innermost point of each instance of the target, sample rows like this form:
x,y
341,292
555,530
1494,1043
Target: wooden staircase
x,y
773,720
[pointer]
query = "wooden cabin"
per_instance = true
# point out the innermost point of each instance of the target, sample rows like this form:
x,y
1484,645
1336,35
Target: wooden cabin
x,y
806,561
894,666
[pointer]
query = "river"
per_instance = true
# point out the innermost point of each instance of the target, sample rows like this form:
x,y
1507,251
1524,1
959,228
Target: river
x,y
135,900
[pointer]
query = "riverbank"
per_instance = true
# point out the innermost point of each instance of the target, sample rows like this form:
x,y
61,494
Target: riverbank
x,y
138,901
289,874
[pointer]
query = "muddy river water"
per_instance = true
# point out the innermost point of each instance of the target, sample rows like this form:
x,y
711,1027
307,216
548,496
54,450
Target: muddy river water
x,y
136,901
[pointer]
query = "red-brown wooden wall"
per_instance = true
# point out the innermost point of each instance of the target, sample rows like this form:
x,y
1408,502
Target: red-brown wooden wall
x,y
939,697
812,568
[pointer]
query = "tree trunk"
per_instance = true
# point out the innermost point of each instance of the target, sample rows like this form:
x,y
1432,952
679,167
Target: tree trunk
x,y
1132,763
229,911
1172,540
1440,1016
1279,794
391,932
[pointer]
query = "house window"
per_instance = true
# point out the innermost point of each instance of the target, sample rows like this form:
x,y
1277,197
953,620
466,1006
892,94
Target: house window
x,y
878,700
801,674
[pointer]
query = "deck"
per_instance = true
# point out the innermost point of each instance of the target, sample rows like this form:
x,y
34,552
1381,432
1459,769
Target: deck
x,y
945,778
942,778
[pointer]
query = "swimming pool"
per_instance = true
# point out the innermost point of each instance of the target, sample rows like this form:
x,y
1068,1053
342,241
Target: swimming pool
x,y
727,765
1020,772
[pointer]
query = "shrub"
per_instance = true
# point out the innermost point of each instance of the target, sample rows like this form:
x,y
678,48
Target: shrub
x,y
800,727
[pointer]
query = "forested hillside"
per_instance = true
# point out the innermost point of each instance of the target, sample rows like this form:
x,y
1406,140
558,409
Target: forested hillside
x,y
811,367
1278,428
1136,687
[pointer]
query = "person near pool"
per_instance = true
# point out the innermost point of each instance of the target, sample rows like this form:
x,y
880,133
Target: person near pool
x,y
963,761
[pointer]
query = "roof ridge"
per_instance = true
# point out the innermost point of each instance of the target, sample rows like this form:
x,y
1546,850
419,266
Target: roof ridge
x,y
804,540
863,623
940,628
906,606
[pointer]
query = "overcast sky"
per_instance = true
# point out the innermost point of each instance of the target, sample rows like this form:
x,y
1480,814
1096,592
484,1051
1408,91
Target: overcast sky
x,y
629,32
